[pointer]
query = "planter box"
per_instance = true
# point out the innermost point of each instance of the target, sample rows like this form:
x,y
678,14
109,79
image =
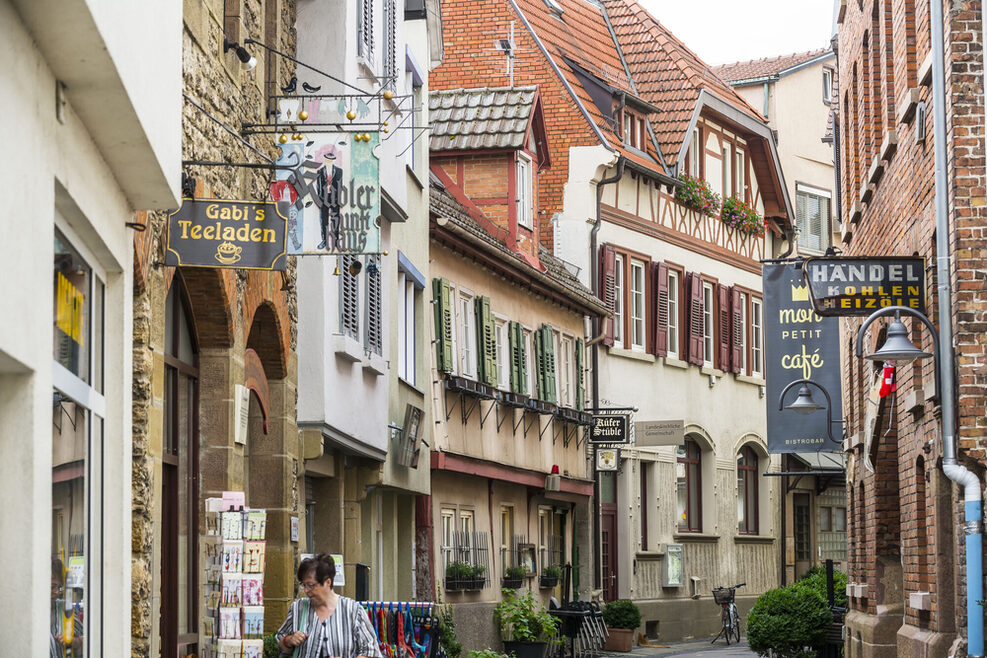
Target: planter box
x,y
526,649
548,582
621,639
512,583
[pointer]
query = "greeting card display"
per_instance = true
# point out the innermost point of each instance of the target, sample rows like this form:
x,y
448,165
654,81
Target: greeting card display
x,y
232,557
253,648
256,525
229,623
253,621
253,589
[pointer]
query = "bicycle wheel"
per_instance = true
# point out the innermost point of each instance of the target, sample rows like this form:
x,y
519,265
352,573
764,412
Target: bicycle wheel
x,y
735,626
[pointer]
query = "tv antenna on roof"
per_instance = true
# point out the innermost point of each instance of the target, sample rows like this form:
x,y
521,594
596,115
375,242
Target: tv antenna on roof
x,y
510,49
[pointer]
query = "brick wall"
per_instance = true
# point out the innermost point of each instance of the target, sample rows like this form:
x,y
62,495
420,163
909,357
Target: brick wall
x,y
469,29
905,504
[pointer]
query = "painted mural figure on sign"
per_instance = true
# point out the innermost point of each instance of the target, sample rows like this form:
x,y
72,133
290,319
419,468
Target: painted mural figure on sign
x,y
328,181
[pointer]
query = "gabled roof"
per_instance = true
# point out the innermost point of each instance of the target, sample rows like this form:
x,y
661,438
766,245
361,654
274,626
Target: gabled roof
x,y
767,67
484,118
667,74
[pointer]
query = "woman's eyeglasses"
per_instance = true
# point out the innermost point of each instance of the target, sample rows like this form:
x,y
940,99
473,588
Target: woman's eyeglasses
x,y
308,587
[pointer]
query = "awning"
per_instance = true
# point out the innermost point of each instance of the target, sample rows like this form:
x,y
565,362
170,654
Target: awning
x,y
821,461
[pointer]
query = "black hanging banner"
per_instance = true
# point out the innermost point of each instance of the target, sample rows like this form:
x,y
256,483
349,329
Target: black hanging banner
x,y
799,344
860,286
222,233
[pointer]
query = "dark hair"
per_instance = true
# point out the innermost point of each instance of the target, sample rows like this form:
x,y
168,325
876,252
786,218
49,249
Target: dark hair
x,y
322,566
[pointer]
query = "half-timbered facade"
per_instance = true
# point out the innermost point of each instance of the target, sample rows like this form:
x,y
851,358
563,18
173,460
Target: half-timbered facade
x,y
630,110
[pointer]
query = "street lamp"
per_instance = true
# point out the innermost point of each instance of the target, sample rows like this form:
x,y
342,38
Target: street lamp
x,y
805,405
896,345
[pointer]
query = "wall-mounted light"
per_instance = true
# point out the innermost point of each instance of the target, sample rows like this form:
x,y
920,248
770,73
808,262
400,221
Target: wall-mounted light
x,y
247,61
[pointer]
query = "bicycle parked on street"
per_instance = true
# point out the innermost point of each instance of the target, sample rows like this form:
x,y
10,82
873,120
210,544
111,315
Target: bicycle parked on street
x,y
729,616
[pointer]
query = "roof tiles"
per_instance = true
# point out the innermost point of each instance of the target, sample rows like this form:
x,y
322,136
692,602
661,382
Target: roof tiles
x,y
481,118
766,66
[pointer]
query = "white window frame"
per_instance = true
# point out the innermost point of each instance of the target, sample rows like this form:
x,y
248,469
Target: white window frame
x,y
465,299
407,332
448,515
727,179
618,301
673,314
757,337
694,154
532,363
638,308
825,233
454,329
506,534
524,182
827,80
503,352
743,333
709,342
567,370
741,175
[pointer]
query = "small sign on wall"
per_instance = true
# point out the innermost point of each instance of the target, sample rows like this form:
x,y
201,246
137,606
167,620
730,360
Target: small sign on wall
x,y
294,528
241,411
607,459
659,433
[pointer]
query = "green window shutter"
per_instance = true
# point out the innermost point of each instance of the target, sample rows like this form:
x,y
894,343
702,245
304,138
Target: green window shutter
x,y
548,343
486,341
518,375
580,381
443,325
540,365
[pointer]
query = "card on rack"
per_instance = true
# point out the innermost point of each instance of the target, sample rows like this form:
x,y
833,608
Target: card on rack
x,y
229,649
253,649
212,599
256,525
253,556
232,557
253,621
253,589
229,623
232,523
232,593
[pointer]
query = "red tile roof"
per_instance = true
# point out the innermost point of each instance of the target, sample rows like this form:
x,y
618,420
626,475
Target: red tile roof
x,y
667,73
767,66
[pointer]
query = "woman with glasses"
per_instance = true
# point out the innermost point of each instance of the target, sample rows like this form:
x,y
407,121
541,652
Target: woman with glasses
x,y
325,624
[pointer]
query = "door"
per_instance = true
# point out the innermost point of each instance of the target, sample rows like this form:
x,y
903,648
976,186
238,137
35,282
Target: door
x,y
802,521
608,535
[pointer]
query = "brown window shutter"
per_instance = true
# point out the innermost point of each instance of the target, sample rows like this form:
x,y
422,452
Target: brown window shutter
x,y
660,313
608,288
723,312
695,319
737,331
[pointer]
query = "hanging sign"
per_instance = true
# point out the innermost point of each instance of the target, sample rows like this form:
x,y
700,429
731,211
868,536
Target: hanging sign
x,y
333,192
608,428
799,344
607,459
223,233
649,433
860,286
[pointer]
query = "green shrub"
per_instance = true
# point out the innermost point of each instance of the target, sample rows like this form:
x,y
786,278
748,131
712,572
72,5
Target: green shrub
x,y
816,576
622,614
448,642
271,649
788,621
484,653
552,571
459,571
522,619
515,572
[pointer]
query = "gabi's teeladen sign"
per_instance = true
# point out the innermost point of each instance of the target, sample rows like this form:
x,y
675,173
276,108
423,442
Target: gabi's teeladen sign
x,y
609,429
659,433
224,233
860,286
332,190
799,344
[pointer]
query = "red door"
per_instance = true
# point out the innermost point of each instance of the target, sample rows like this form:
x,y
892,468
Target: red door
x,y
608,550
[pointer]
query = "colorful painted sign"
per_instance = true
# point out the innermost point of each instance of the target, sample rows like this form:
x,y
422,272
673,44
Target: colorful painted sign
x,y
607,459
333,192
227,234
860,286
799,344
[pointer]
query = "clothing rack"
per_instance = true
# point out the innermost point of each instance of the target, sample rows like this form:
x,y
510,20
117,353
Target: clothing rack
x,y
404,629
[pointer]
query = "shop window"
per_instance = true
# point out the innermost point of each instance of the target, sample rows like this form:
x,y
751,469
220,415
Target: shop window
x,y
77,441
747,493
689,486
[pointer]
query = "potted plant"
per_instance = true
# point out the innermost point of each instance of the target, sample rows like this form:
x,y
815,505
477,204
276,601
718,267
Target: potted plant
x,y
741,217
514,576
525,625
550,576
459,575
695,193
477,578
622,618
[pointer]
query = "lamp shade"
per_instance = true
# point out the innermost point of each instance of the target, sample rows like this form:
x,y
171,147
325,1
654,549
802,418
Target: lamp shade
x,y
804,404
897,347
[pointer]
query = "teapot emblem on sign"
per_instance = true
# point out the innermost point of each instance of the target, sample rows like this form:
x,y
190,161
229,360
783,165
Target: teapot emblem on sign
x,y
228,253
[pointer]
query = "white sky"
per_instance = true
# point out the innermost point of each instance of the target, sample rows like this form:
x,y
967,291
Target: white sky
x,y
724,31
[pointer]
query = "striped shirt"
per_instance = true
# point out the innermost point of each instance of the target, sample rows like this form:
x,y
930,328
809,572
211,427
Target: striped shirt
x,y
346,633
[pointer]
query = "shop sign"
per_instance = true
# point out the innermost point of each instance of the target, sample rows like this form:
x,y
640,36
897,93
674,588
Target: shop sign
x,y
608,428
860,286
607,459
225,233
799,344
659,433
332,187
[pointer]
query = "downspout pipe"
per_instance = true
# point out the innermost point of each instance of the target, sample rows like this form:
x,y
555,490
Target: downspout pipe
x,y
594,262
973,517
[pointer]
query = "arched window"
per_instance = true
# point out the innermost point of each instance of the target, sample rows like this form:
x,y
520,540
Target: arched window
x,y
747,494
179,479
689,487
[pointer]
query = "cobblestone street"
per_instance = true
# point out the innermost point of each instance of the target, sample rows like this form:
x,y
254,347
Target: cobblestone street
x,y
694,648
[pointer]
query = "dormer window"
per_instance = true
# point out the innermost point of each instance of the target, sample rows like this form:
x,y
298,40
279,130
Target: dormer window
x,y
554,6
635,130
525,192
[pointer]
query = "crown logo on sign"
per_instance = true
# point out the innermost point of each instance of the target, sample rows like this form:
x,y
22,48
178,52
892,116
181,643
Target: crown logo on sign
x,y
800,293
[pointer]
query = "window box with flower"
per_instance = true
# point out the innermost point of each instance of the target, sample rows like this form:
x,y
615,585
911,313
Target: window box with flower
x,y
741,217
696,194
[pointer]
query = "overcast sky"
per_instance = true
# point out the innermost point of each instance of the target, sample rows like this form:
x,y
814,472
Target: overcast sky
x,y
723,31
